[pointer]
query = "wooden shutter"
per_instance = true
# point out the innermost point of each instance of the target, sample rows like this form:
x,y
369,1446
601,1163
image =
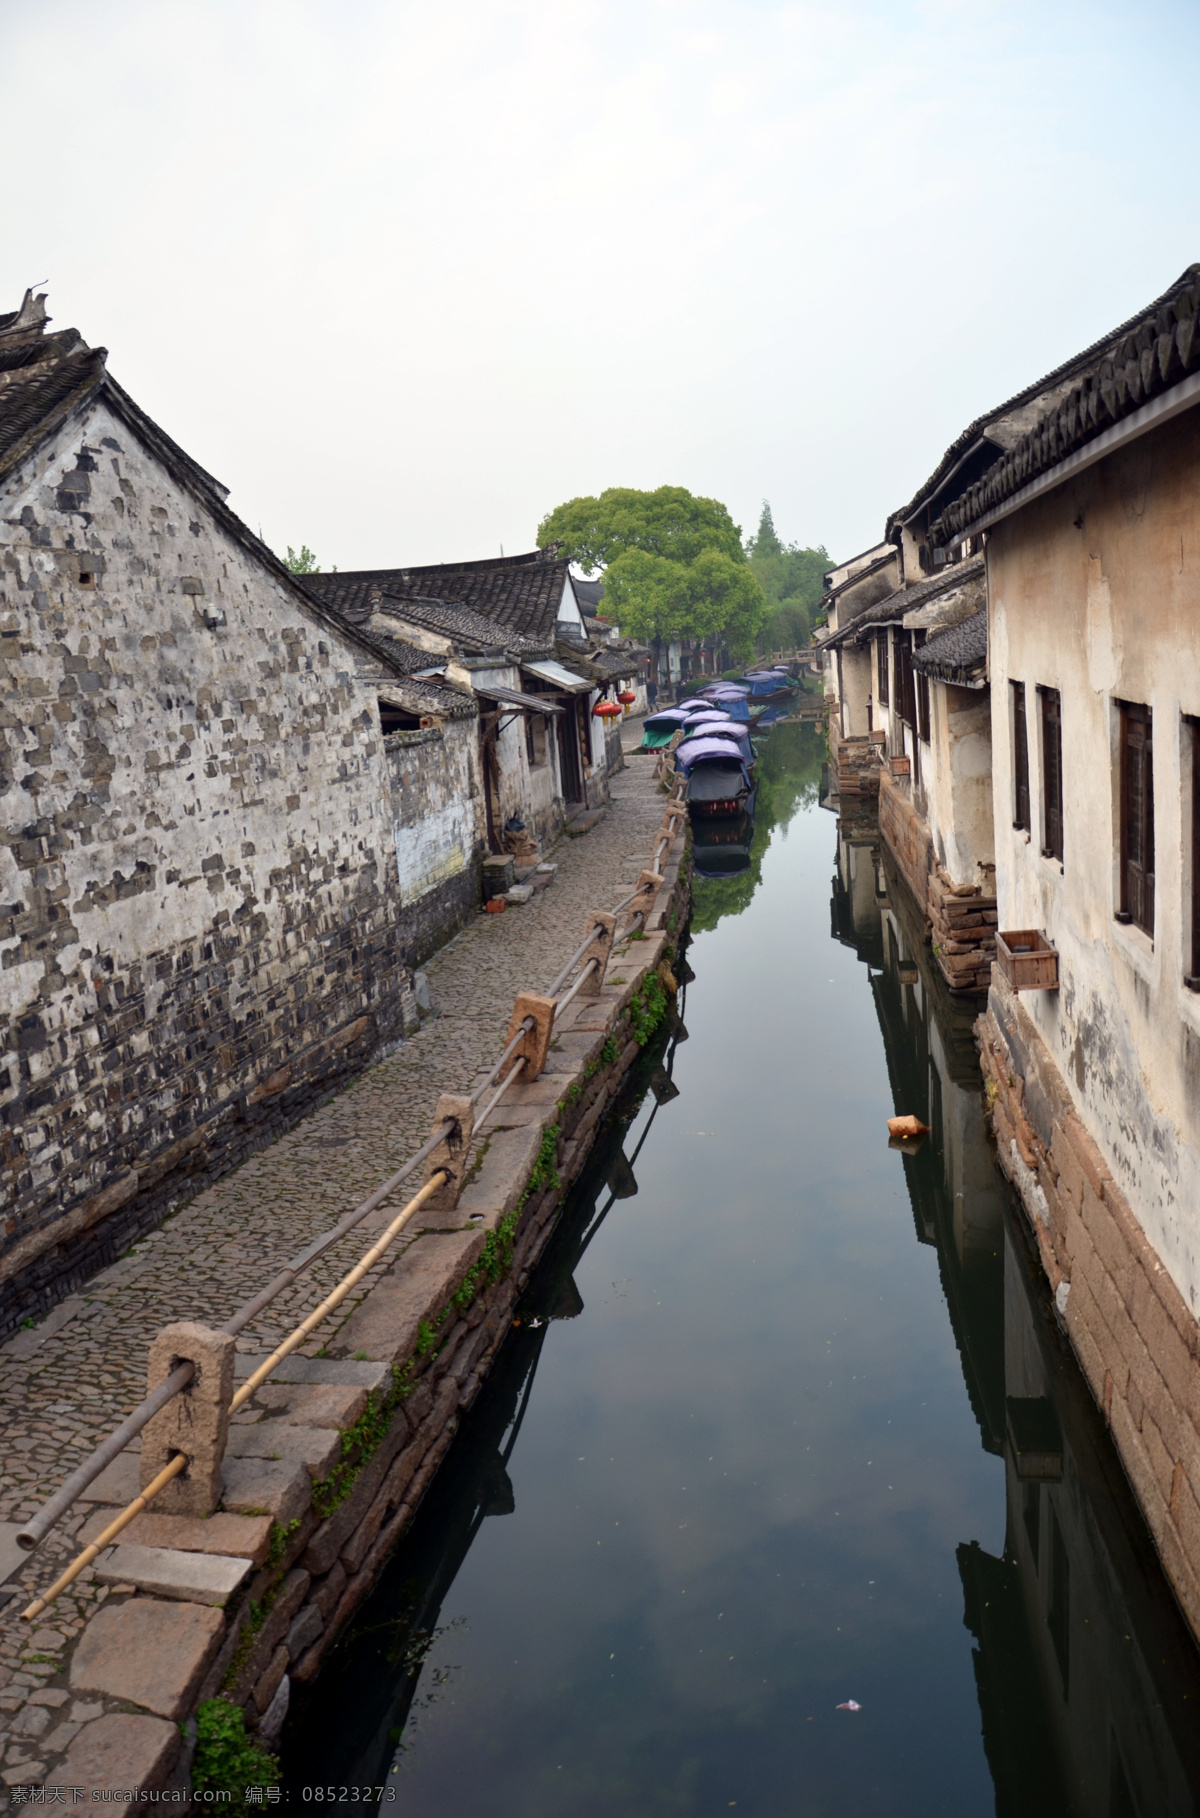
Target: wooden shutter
x,y
1020,758
904,680
1052,796
881,661
1137,817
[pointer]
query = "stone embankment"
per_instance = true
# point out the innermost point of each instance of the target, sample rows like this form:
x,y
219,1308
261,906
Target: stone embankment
x,y
1134,1335
324,1466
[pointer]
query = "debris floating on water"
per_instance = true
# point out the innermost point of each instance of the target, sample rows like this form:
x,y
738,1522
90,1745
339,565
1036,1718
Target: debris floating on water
x,y
851,1704
907,1126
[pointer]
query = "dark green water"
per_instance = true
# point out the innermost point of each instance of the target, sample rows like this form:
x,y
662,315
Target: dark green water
x,y
757,1447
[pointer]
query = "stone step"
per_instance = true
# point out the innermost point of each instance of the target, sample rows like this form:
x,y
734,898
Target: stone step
x,y
208,1578
313,1369
234,1536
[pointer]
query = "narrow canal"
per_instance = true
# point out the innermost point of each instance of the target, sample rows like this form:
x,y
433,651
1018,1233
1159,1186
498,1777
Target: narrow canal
x,y
787,1427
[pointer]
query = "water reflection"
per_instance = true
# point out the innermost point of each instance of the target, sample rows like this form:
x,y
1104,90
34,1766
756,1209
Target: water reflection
x,y
1087,1677
365,1706
761,1472
728,853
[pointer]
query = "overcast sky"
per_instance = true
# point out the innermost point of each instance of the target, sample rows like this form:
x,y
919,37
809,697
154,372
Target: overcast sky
x,y
406,276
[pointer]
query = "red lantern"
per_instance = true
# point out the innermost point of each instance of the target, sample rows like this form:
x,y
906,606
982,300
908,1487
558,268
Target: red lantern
x,y
606,710
627,697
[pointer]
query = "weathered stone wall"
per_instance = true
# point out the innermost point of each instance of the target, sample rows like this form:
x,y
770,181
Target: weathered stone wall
x,y
199,924
1134,1335
436,803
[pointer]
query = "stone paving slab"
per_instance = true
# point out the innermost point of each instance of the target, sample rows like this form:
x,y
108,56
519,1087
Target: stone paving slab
x,y
148,1652
62,1391
165,1572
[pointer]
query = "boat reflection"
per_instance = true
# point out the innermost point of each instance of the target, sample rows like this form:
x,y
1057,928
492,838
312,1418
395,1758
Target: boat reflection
x,y
721,845
1087,1675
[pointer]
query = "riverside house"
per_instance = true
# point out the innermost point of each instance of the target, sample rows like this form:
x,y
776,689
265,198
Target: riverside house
x,y
510,631
218,860
1090,521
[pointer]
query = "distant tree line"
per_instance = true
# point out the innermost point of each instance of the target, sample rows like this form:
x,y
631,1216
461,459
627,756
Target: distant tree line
x,y
792,580
675,567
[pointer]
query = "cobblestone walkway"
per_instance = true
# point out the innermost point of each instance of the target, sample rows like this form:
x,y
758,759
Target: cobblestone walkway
x,y
57,1402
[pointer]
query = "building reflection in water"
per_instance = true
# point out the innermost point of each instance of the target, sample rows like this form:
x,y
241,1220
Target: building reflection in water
x,y
1087,1675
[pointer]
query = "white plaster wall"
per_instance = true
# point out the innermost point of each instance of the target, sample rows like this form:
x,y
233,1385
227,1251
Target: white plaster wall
x,y
438,824
956,769
1095,589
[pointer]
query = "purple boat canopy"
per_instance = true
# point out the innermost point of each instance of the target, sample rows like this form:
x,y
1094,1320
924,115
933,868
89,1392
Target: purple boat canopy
x,y
697,751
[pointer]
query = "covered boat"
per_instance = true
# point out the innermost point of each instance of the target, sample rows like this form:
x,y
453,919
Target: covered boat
x,y
660,728
718,776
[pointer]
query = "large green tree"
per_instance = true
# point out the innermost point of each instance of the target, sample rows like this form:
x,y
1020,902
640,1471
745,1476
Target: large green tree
x,y
674,565
792,580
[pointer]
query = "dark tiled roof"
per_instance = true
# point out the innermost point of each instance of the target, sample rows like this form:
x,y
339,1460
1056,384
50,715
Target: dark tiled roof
x,y
1001,428
521,593
958,655
45,378
610,665
891,610
432,697
1105,383
590,595
863,574
455,621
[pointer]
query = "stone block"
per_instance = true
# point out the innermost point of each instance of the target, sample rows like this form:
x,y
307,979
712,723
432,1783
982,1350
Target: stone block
x,y
304,1631
317,1448
327,1590
235,1536
340,1370
332,1535
328,1405
449,1158
196,1421
288,1602
384,1325
118,1752
210,1578
519,894
269,1682
148,1652
391,1490
265,1486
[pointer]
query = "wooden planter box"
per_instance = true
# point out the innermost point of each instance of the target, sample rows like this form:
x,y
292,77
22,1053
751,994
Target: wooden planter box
x,y
900,766
1027,959
878,737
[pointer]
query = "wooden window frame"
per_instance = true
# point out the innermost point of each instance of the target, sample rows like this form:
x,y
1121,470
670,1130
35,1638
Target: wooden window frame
x,y
1136,803
1021,815
882,693
1192,978
922,691
1050,709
